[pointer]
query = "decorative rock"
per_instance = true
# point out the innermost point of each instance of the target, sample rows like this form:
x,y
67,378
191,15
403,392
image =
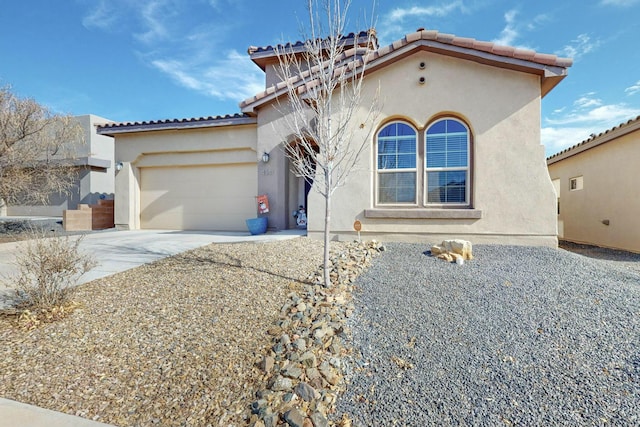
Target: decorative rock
x,y
300,344
309,360
292,371
329,375
258,406
267,364
448,250
312,373
287,397
306,392
281,384
270,420
294,418
319,420
285,340
278,348
309,330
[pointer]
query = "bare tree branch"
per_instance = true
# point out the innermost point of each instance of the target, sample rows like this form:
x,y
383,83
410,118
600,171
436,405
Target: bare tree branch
x,y
37,150
324,85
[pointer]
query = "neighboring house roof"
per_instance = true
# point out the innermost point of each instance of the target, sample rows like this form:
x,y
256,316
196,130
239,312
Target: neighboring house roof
x,y
551,68
111,129
596,140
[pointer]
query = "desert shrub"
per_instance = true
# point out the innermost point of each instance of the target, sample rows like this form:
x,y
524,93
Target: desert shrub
x,y
48,269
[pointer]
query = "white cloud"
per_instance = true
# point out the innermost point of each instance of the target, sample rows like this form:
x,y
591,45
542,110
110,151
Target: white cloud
x,y
579,47
401,21
154,15
597,117
509,34
400,14
589,116
102,16
632,90
587,100
234,77
623,3
191,55
513,29
556,139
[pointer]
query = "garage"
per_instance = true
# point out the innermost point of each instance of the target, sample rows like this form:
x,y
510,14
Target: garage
x,y
218,197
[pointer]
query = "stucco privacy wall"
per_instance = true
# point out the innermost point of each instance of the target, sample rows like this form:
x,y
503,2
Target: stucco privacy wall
x,y
226,154
513,198
95,173
610,174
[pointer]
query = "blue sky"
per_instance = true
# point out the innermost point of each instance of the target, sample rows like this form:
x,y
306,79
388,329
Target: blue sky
x,y
134,60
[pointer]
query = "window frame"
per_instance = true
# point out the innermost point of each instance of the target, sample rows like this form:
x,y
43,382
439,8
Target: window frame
x,y
421,170
578,181
467,168
415,169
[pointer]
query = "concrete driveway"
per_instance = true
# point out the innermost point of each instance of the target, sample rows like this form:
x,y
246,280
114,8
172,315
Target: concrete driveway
x,y
118,251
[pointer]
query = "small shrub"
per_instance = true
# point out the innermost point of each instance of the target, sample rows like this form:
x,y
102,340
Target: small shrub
x,y
48,269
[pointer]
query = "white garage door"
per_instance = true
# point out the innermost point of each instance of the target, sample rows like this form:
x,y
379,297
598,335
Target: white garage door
x,y
198,197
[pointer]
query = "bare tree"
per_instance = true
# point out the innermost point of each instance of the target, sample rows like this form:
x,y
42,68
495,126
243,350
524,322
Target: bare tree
x,y
324,85
37,150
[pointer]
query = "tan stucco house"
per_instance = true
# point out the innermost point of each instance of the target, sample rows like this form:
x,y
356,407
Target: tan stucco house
x,y
455,152
95,174
597,184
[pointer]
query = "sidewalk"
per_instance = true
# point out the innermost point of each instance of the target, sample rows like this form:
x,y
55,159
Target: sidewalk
x,y
16,414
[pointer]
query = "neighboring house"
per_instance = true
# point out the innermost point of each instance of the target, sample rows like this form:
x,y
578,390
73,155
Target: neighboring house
x,y
94,160
597,185
455,152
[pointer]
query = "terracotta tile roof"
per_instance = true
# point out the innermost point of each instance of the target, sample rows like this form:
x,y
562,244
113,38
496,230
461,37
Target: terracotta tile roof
x,y
169,124
595,140
262,55
482,51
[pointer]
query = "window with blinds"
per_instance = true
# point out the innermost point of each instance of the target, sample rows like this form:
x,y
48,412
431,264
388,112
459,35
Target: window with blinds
x,y
447,162
397,143
444,177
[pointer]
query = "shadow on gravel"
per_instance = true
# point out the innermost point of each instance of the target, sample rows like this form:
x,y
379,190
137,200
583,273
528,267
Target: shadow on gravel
x,y
237,263
599,252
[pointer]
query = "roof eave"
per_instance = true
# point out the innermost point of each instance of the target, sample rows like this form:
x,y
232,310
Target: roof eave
x,y
172,125
550,75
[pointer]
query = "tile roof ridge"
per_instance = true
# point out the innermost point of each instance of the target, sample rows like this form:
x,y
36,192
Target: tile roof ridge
x,y
175,120
483,46
301,43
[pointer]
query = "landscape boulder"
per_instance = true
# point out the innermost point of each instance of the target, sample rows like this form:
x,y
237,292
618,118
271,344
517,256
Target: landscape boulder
x,y
453,250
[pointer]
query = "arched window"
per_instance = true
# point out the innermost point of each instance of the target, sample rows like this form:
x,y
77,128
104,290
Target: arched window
x,y
396,164
447,177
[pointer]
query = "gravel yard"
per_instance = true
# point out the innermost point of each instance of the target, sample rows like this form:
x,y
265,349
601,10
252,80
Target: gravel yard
x,y
170,343
517,336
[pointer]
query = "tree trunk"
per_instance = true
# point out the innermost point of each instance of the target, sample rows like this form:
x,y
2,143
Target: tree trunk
x,y
327,228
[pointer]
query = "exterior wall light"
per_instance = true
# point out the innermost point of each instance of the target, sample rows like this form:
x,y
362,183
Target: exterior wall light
x,y
265,157
119,166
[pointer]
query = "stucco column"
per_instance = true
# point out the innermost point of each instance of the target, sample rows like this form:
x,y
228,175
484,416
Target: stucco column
x,y
125,200
272,181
